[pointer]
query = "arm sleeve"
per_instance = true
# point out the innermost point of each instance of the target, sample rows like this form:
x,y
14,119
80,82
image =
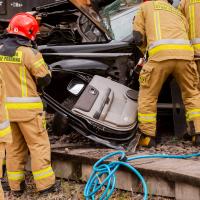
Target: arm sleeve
x,y
182,9
181,6
3,111
186,25
36,65
139,23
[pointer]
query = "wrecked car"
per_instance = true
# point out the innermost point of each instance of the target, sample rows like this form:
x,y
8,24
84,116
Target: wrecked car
x,y
80,43
80,61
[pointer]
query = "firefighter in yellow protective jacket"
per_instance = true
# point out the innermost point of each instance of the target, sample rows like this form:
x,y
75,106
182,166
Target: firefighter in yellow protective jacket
x,y
164,30
24,70
5,130
190,9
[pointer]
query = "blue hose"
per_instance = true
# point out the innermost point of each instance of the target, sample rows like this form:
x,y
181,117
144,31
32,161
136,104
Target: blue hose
x,y
103,190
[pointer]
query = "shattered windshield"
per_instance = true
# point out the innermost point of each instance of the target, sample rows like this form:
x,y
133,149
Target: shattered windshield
x,y
118,16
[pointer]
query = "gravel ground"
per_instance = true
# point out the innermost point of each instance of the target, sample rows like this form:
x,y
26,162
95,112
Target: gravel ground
x,y
172,145
166,145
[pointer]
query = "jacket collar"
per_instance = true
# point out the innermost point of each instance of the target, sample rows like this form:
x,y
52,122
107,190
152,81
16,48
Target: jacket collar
x,y
166,1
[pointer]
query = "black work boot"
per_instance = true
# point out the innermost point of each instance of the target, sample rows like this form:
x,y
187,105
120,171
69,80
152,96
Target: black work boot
x,y
19,193
54,188
5,185
196,140
187,137
147,141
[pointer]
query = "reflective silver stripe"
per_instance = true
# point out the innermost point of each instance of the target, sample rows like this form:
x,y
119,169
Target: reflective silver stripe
x,y
195,41
23,99
4,125
44,173
169,41
16,176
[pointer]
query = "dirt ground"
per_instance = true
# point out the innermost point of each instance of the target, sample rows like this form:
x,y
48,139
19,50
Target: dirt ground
x,y
72,191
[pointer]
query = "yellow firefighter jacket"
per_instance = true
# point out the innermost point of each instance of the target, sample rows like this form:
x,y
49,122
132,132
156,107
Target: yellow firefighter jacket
x,y
164,29
5,130
21,72
191,10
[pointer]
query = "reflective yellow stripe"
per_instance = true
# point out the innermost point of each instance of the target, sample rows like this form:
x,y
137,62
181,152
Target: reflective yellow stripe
x,y
16,176
196,46
39,63
192,114
159,29
23,81
156,31
157,25
150,117
148,114
19,106
170,47
193,110
192,20
5,131
17,58
194,1
44,173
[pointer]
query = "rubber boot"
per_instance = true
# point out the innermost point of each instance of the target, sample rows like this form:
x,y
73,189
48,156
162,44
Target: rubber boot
x,y
54,188
147,141
196,140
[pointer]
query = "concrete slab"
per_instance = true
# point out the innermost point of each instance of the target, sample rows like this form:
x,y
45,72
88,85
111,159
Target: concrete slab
x,y
185,191
165,177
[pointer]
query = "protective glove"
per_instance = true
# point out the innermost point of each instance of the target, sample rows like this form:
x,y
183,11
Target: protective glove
x,y
137,38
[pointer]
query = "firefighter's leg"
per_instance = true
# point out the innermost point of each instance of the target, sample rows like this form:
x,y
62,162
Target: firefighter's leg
x,y
2,155
4,180
187,77
16,157
151,80
198,69
37,139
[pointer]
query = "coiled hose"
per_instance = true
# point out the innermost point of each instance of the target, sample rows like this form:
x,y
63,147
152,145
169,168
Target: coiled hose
x,y
106,171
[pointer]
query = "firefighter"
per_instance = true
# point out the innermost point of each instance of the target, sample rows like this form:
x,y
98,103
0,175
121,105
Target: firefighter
x,y
190,10
5,129
164,31
25,72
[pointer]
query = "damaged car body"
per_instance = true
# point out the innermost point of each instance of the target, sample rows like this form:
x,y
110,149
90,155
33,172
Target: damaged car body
x,y
78,44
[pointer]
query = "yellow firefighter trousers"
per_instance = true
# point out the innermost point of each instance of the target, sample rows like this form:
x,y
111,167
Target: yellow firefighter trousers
x,y
30,135
2,155
152,77
198,68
